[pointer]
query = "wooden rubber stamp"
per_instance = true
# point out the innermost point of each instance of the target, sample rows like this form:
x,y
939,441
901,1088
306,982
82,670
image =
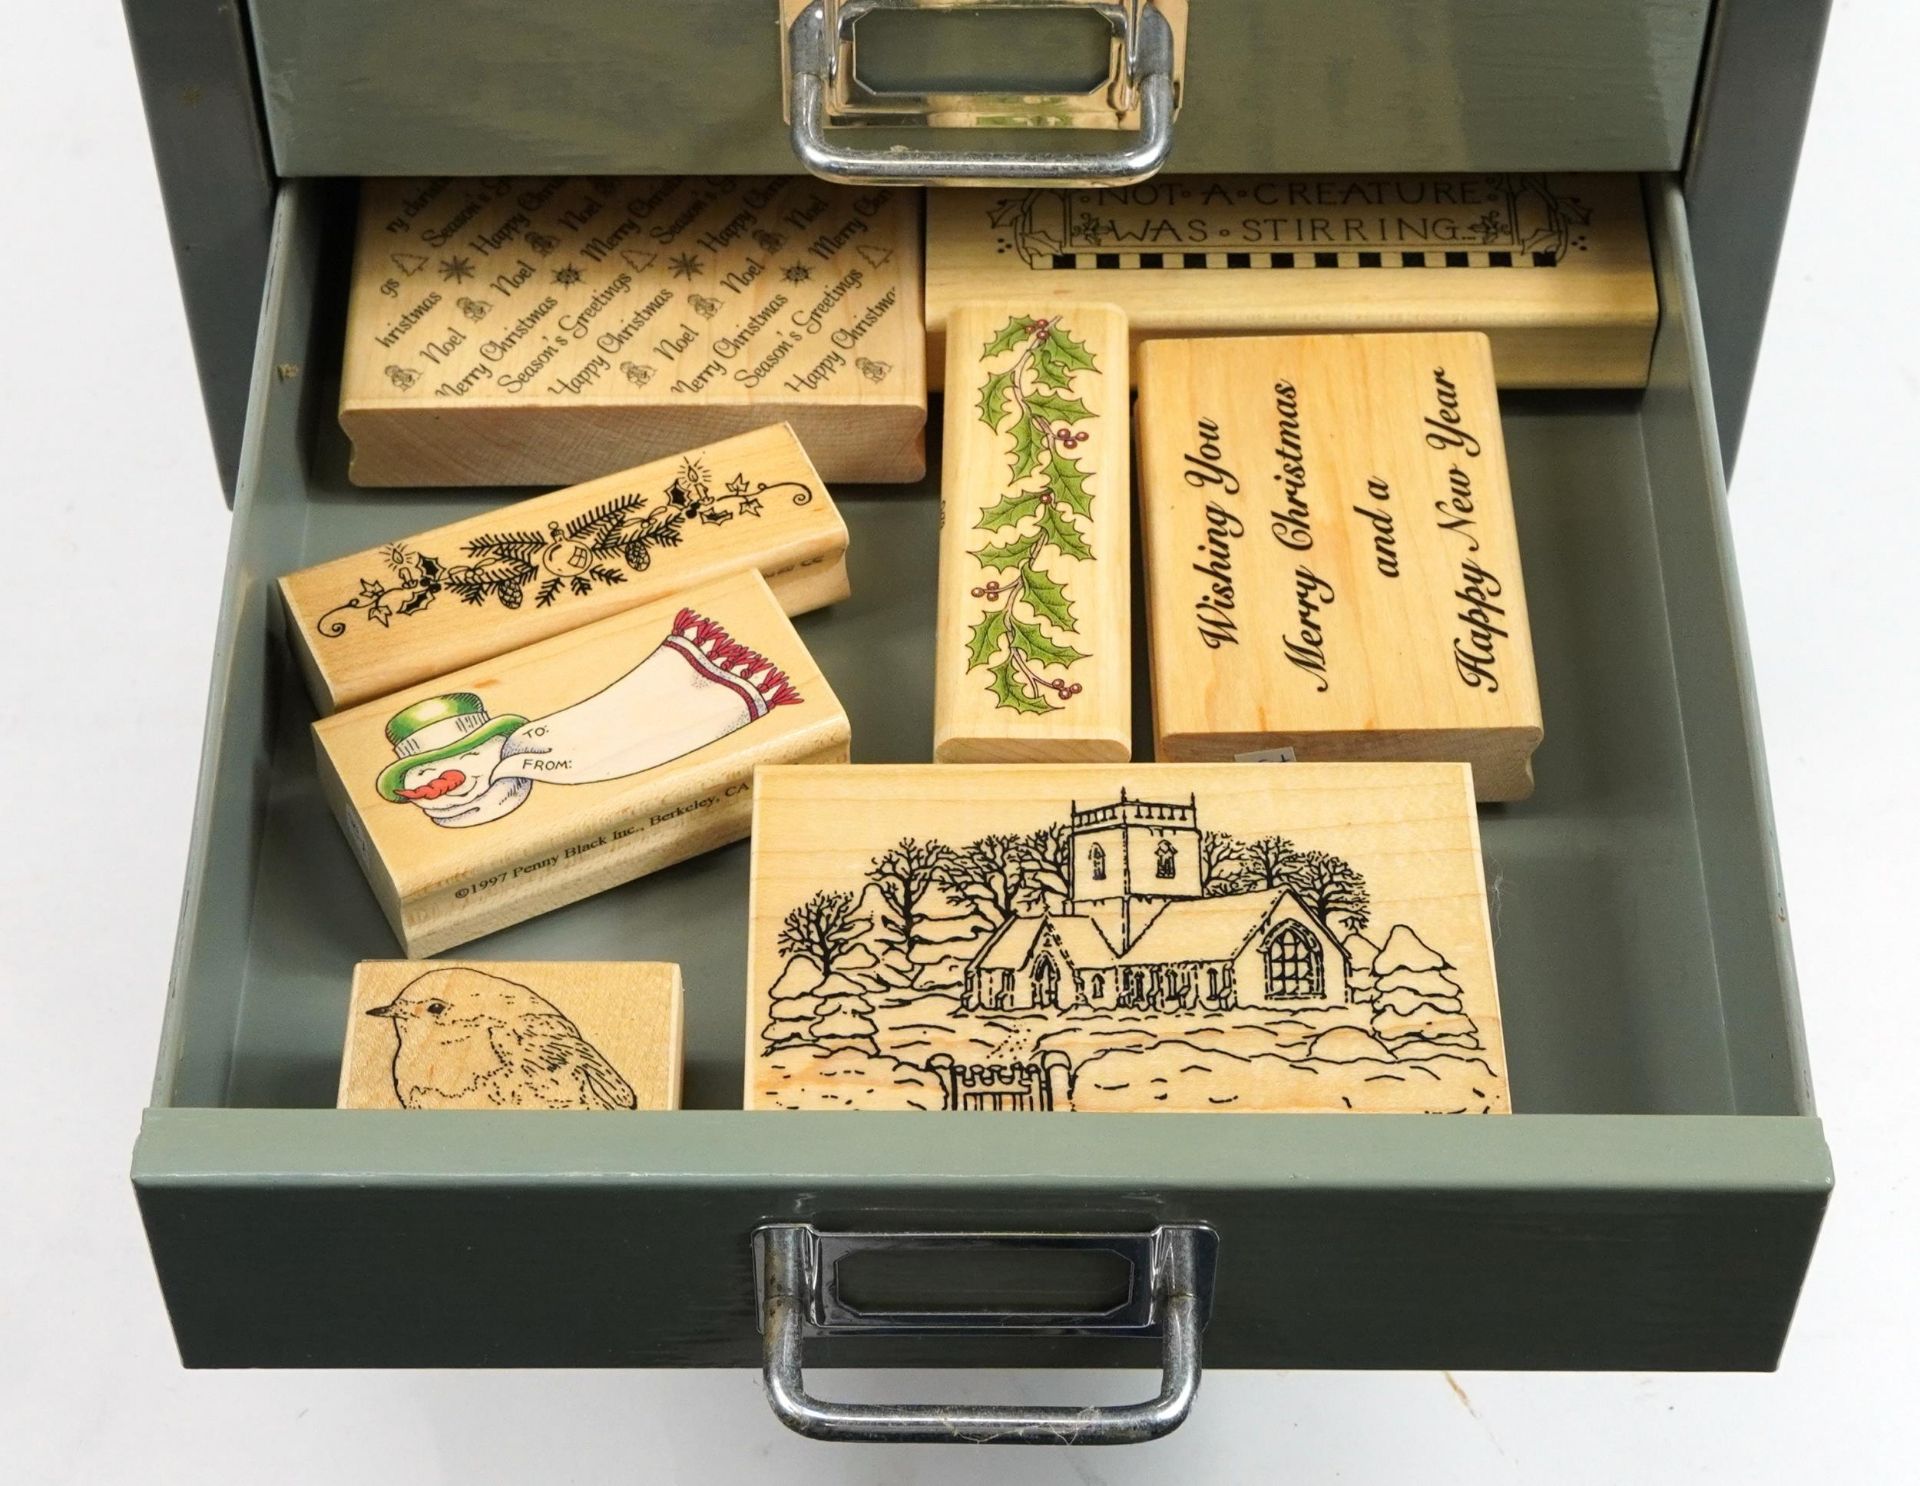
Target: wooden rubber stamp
x,y
505,789
1556,269
482,1034
1034,631
366,625
510,331
1330,554
1212,937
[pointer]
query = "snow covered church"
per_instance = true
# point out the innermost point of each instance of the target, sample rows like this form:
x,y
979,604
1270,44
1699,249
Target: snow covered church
x,y
1140,932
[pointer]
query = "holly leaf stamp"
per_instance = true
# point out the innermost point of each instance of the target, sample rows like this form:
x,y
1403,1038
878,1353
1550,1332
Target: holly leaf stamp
x,y
1049,600
1011,509
1010,689
993,399
985,640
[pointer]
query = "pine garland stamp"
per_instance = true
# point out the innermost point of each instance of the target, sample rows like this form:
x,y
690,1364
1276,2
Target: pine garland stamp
x,y
1033,639
600,546
375,622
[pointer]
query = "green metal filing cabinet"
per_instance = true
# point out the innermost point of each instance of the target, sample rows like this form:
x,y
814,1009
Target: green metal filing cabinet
x,y
1652,1203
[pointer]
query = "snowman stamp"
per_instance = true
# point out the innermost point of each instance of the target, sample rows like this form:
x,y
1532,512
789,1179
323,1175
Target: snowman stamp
x,y
369,624
507,789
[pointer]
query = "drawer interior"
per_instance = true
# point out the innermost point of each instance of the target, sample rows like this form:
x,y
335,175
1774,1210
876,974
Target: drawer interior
x,y
1651,1204
1631,982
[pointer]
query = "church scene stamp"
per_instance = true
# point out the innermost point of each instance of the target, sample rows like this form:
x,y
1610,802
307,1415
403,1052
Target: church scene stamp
x,y
1251,938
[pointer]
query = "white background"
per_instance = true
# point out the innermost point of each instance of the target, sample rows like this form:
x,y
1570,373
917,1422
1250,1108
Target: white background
x,y
111,536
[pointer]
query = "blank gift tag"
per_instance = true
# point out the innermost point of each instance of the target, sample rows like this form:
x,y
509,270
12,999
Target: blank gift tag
x,y
487,1034
1033,657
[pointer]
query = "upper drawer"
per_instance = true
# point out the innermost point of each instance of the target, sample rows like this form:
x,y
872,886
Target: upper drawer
x,y
471,87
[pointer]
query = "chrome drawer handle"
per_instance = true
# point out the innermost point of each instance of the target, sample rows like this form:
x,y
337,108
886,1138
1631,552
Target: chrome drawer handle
x,y
811,60
1170,1295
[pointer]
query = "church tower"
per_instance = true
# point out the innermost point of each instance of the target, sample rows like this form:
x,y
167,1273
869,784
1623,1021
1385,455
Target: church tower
x,y
1130,860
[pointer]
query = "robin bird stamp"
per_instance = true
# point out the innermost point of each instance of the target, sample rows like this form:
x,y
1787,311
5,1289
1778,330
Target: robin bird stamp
x,y
512,1035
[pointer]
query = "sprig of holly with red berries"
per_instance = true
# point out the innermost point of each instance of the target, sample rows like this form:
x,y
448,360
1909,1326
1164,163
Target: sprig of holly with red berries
x,y
1046,511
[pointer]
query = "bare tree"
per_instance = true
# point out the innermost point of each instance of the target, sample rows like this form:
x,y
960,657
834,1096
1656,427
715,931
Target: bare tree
x,y
1223,858
1045,859
1331,888
1267,863
822,930
903,875
984,875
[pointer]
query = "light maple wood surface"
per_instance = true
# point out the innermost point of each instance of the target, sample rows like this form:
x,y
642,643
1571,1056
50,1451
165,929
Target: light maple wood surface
x,y
1033,647
513,1034
1556,269
365,625
652,784
1334,568
520,331
1195,938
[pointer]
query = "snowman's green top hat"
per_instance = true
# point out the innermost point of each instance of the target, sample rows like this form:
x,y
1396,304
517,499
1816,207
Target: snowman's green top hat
x,y
438,728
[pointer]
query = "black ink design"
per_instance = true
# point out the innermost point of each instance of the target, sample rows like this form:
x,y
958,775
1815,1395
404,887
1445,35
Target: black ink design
x,y
1119,958
587,552
464,1039
541,243
402,378
1527,224
457,269
770,242
797,273
876,257
475,310
409,263
639,262
686,265
636,374
873,371
567,274
702,306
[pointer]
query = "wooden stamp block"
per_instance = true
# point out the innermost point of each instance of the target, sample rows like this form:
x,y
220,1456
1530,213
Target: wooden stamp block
x,y
1330,554
1034,658
366,625
1212,937
500,791
543,331
483,1034
1556,269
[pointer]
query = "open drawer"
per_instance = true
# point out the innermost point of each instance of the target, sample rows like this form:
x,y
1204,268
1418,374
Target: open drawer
x,y
1652,1204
